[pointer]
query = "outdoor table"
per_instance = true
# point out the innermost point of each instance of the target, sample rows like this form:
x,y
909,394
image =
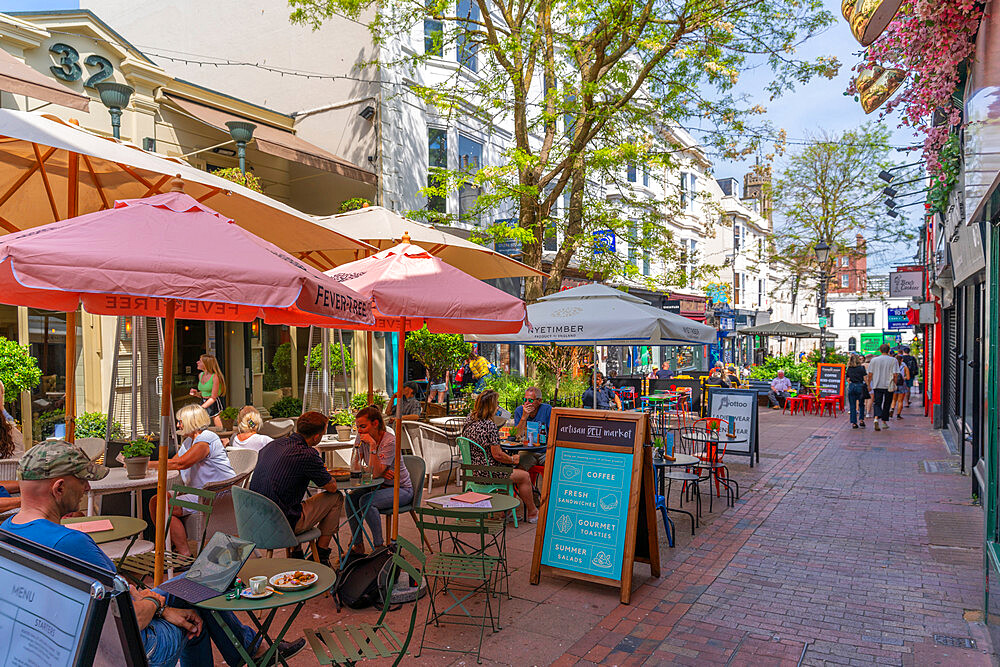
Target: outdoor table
x,y
268,567
122,528
117,481
355,484
511,447
329,444
659,468
447,423
712,463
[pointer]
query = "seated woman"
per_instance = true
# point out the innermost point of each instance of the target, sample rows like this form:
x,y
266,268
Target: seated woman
x,y
377,450
481,429
201,460
247,436
11,440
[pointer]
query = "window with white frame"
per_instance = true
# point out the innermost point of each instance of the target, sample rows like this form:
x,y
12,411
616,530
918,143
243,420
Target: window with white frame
x,y
760,292
737,236
861,319
689,185
437,158
467,50
433,36
845,280
470,159
736,289
633,243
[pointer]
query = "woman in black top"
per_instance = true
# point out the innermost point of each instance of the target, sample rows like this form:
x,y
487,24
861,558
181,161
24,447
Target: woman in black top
x,y
857,390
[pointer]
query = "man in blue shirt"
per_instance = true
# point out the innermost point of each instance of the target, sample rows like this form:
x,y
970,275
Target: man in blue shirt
x,y
532,410
54,477
606,396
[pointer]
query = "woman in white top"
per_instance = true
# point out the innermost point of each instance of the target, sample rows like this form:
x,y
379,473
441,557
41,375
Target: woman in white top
x,y
201,460
247,436
11,440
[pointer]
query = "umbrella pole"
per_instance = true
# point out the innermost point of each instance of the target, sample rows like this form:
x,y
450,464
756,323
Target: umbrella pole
x,y
371,380
69,400
399,430
594,379
161,468
343,369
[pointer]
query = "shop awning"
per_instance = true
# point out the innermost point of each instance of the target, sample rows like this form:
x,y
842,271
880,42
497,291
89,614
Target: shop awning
x,y
276,141
781,328
21,79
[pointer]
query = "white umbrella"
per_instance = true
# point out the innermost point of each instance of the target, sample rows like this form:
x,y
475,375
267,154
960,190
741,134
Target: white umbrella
x,y
600,315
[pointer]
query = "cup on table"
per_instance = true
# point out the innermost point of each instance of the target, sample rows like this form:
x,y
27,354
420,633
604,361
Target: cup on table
x,y
258,585
366,477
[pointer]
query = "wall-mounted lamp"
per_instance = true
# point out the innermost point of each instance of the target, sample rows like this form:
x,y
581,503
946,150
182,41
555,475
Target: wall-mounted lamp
x,y
115,96
228,152
255,328
367,113
241,132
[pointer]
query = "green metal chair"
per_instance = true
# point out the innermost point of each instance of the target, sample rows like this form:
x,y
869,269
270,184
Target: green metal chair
x,y
415,466
483,483
459,575
261,521
138,566
349,644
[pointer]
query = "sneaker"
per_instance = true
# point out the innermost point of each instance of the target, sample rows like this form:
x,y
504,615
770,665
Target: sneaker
x,y
885,425
899,416
861,424
877,426
775,407
287,650
854,425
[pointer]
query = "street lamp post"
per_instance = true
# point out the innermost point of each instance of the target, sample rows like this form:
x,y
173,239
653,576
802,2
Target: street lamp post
x,y
115,96
822,251
242,133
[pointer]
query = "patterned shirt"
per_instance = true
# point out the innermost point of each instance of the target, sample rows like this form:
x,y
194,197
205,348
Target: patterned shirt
x,y
284,469
485,433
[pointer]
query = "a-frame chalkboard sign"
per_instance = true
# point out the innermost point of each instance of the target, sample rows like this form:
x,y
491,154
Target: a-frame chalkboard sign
x,y
598,515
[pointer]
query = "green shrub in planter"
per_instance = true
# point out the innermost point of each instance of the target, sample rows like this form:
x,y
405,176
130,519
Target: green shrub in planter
x,y
229,414
95,424
360,400
343,418
315,359
138,448
289,406
18,369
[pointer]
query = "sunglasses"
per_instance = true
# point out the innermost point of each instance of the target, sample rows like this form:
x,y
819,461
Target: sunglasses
x,y
531,400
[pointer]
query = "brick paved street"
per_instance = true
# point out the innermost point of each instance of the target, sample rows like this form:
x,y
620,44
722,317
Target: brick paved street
x,y
843,550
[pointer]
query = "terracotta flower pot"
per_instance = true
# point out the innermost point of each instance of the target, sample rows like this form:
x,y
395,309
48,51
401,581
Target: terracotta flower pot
x,y
137,467
343,433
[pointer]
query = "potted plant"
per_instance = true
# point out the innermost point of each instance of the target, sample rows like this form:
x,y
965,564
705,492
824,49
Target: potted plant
x,y
343,421
136,454
228,416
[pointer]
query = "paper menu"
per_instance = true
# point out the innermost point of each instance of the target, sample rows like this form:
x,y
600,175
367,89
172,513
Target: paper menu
x,y
471,497
449,502
92,526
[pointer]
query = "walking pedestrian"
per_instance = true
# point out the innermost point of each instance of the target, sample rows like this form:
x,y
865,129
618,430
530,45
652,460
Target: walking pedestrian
x,y
857,390
882,372
902,387
914,368
868,409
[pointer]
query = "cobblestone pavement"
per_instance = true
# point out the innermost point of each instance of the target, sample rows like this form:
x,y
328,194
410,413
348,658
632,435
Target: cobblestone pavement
x,y
844,549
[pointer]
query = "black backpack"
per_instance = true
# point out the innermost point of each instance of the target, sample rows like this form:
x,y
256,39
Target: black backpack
x,y
364,581
911,363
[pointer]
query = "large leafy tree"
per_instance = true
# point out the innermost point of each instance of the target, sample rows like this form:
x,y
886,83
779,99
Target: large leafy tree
x,y
589,88
830,191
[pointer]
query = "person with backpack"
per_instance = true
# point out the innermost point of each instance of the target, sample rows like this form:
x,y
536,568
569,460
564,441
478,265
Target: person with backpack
x,y
911,364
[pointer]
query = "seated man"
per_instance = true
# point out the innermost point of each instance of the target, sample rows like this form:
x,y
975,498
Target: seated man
x,y
533,410
606,396
408,404
8,501
54,478
780,387
664,372
284,469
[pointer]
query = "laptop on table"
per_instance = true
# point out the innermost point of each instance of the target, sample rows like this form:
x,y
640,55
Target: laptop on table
x,y
213,572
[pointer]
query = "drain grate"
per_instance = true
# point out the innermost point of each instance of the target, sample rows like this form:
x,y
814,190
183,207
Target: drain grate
x,y
957,642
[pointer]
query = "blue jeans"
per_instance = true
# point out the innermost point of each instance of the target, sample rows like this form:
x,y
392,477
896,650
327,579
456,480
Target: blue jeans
x,y
382,500
856,401
165,643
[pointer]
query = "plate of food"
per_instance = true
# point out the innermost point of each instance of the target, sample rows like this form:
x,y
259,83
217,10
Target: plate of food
x,y
293,580
341,474
247,595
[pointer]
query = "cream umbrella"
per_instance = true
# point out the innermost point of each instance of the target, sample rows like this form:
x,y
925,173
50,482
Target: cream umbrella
x,y
52,170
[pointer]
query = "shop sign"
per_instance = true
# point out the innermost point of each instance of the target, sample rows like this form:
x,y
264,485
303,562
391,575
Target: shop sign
x,y
727,323
508,247
604,241
898,319
905,284
672,306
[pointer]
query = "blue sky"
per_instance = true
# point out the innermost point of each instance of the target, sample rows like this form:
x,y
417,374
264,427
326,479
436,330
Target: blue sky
x,y
36,5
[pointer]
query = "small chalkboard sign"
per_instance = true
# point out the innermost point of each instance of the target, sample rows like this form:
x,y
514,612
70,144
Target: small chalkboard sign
x,y
739,408
830,379
598,514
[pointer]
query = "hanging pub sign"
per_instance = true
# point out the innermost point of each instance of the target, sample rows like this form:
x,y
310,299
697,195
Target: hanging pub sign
x,y
739,408
598,514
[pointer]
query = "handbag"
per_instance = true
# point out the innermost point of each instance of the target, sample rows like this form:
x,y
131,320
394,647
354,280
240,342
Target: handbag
x,y
865,395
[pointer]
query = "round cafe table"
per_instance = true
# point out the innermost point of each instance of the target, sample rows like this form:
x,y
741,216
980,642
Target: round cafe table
x,y
122,528
357,511
268,567
711,441
117,481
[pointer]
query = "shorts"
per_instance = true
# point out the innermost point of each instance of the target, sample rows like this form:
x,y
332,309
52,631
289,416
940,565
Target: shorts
x,y
902,390
215,408
439,387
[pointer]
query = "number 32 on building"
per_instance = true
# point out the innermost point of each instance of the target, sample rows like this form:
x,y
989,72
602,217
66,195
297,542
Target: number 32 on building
x,y
69,68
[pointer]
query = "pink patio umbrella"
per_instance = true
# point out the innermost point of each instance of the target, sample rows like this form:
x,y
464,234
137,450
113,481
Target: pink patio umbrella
x,y
165,256
408,288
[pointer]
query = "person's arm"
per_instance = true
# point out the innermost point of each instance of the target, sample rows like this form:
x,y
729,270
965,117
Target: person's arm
x,y
382,461
197,452
618,401
317,473
7,504
500,456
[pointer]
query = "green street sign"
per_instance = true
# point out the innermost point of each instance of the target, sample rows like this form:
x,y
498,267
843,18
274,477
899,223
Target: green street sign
x,y
822,321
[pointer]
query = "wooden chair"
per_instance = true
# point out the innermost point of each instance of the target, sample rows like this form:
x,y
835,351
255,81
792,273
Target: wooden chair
x,y
350,644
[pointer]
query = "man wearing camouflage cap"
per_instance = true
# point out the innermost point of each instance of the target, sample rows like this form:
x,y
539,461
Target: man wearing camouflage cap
x,y
54,477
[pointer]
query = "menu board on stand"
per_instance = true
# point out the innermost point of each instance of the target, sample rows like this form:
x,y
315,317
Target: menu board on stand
x,y
830,379
739,408
598,515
